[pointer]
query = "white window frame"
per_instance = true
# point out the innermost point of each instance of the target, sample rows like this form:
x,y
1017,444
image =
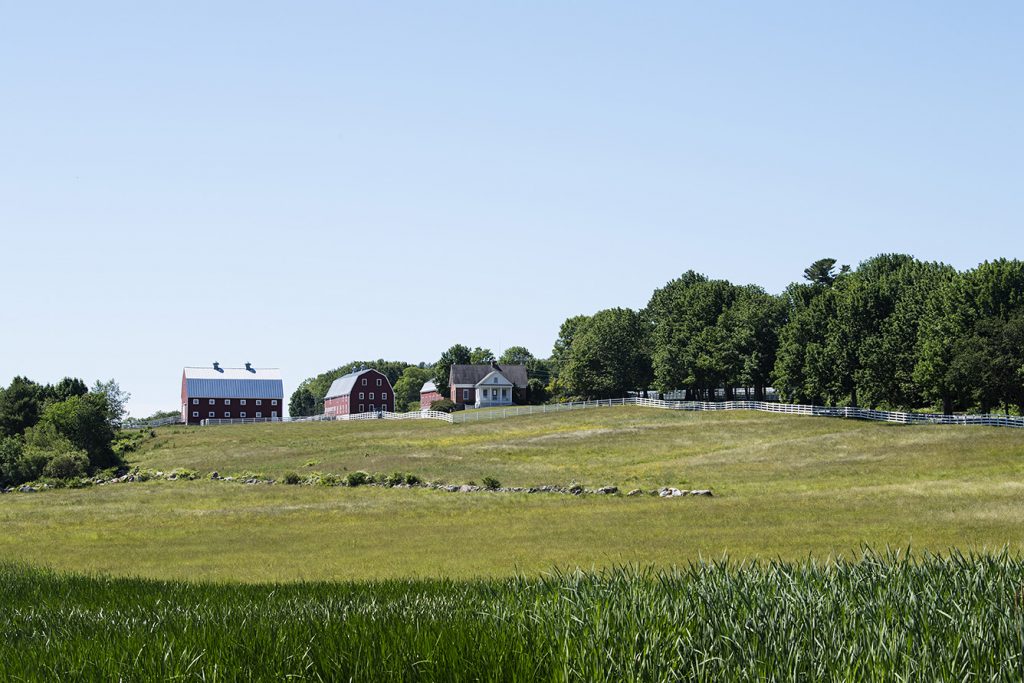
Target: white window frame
x,y
361,395
378,381
384,395
465,394
371,395
273,414
259,402
242,402
195,413
259,415
212,413
213,401
241,415
274,402
227,414
364,381
362,408
373,408
195,401
227,401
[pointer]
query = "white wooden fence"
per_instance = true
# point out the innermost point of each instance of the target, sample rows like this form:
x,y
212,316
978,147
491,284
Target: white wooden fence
x,y
764,406
485,414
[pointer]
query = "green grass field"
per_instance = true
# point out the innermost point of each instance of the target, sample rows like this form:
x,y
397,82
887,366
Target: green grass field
x,y
878,618
785,487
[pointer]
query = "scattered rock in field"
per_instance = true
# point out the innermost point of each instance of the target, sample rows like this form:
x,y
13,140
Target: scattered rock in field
x,y
214,475
701,492
635,492
575,489
27,489
466,488
608,490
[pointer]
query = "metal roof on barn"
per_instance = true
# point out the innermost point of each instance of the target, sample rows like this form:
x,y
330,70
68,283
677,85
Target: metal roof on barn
x,y
234,383
343,385
428,387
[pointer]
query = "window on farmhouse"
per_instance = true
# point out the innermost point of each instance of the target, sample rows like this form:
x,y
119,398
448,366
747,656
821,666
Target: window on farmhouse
x,y
195,413
378,382
274,402
242,401
227,413
371,395
364,381
384,395
227,401
241,415
273,413
195,401
211,414
259,414
362,394
259,402
465,394
212,401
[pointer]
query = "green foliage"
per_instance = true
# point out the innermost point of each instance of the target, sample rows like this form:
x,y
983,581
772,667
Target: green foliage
x,y
358,478
21,404
291,478
68,387
302,403
537,392
67,465
116,401
608,356
515,355
480,355
407,388
455,355
490,483
443,405
83,421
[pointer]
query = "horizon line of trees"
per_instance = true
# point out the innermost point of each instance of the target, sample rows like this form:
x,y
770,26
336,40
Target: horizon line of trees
x,y
894,333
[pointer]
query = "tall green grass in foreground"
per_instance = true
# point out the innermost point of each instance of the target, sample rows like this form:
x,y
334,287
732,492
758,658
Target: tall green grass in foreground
x,y
882,617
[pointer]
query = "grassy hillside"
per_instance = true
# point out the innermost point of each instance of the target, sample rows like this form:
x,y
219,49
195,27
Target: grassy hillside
x,y
785,487
877,618
731,452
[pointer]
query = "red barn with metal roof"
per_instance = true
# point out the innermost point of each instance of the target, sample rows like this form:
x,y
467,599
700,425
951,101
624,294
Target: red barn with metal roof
x,y
362,391
216,393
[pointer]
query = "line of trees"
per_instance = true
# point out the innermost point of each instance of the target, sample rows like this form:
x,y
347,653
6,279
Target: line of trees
x,y
894,333
58,431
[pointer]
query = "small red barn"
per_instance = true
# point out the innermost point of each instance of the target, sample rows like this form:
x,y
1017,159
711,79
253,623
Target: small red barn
x,y
362,391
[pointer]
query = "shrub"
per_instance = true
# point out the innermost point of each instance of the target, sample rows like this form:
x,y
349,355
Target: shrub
x,y
68,465
412,479
491,483
183,473
443,405
291,478
394,479
358,478
311,463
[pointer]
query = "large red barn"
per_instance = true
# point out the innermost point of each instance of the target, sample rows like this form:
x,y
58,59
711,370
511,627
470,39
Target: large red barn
x,y
362,391
216,393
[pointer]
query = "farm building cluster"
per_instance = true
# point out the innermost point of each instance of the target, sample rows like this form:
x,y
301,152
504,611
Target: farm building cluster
x,y
220,393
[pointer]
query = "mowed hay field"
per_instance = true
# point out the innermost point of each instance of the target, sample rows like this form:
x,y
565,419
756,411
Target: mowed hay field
x,y
785,487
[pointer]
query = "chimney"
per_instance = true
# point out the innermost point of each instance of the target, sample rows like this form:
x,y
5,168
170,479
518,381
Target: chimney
x,y
216,366
494,364
248,366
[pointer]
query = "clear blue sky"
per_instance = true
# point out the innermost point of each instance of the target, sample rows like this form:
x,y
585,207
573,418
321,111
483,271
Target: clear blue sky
x,y
303,184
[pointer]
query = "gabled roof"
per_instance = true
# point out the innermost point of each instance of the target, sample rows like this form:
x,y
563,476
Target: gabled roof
x,y
207,382
489,378
472,374
343,385
427,387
